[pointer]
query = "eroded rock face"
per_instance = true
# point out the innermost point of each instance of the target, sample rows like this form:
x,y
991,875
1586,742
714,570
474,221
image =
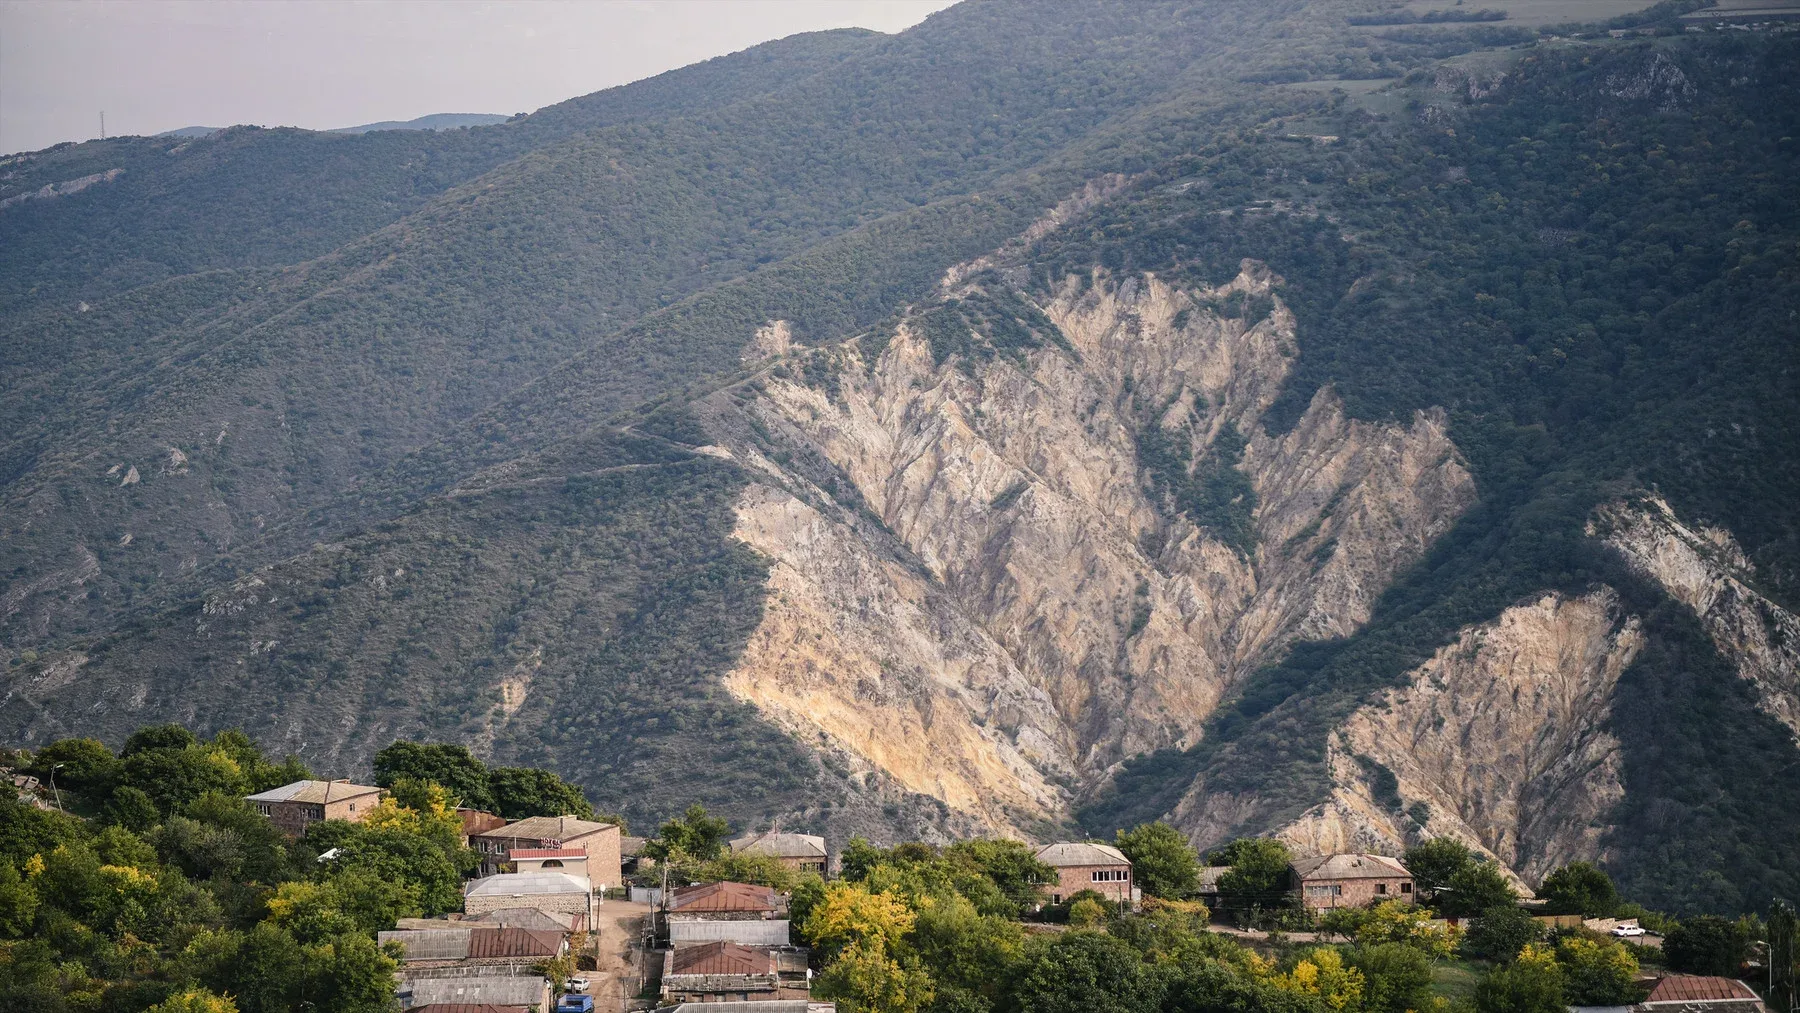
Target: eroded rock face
x,y
976,587
1498,741
1704,569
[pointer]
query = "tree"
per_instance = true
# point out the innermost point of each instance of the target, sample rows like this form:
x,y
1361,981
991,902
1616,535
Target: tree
x,y
1087,913
1259,870
1395,921
1012,866
741,868
174,777
1322,974
1474,889
1162,862
194,1000
963,948
1579,889
849,913
157,737
131,808
1707,944
865,979
453,766
1784,956
1499,933
1530,984
86,765
519,792
18,903
1396,977
693,833
1086,972
1435,862
1597,973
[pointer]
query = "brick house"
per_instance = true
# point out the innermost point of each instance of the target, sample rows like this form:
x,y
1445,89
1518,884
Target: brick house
x,y
1080,866
1333,881
294,807
599,840
800,852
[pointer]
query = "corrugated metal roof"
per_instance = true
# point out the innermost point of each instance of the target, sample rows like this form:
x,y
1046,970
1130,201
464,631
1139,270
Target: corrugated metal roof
x,y
526,884
430,944
315,792
504,990
1698,988
722,958
1071,853
546,828
518,853
529,918
467,1007
1349,867
780,845
725,896
515,942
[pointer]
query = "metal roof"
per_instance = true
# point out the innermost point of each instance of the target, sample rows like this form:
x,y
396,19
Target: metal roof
x,y
529,918
515,942
1699,988
1074,853
722,958
1349,867
546,828
531,853
467,1007
724,896
759,1006
504,990
430,944
315,792
780,845
526,884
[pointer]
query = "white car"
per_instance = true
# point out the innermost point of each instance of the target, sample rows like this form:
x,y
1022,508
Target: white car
x,y
1624,931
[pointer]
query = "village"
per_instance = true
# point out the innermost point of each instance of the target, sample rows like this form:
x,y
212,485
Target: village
x,y
572,915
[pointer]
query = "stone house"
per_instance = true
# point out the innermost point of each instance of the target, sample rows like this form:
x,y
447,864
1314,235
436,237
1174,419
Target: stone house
x,y
599,840
1080,866
801,852
1333,881
543,891
723,972
294,807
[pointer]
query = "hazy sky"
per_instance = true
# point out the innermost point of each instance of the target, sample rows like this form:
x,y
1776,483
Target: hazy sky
x,y
155,65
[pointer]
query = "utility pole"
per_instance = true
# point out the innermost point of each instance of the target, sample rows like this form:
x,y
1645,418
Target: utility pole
x,y
103,124
53,790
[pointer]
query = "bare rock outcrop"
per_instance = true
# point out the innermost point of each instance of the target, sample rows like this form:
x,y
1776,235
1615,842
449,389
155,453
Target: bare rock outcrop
x,y
1499,741
978,590
1704,569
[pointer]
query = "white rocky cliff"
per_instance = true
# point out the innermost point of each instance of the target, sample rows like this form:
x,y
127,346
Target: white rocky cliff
x,y
980,591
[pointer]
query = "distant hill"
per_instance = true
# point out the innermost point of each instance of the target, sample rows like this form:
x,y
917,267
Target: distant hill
x,y
193,131
435,121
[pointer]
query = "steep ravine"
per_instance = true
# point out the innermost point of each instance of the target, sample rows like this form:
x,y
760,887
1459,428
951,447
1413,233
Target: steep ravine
x,y
978,588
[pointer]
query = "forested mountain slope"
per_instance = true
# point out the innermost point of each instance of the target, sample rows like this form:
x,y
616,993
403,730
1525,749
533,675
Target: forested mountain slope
x,y
984,427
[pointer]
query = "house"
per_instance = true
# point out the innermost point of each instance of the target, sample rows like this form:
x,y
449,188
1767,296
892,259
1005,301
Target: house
x,y
477,945
1693,993
1080,866
1333,881
570,860
467,1007
740,913
599,840
475,821
294,807
473,986
800,852
542,891
1209,882
631,855
721,972
762,1006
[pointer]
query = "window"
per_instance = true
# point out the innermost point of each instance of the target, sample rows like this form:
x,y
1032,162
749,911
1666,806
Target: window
x,y
353,807
1325,890
1406,888
1381,888
552,863
1111,875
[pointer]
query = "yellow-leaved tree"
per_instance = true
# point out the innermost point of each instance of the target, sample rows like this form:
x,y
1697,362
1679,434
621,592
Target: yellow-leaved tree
x,y
1322,973
1397,922
849,913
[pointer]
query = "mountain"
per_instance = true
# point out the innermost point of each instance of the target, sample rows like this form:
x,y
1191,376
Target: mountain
x,y
1275,421
434,121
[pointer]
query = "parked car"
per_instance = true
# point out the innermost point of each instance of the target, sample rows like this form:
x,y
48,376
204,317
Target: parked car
x,y
1624,931
575,1004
